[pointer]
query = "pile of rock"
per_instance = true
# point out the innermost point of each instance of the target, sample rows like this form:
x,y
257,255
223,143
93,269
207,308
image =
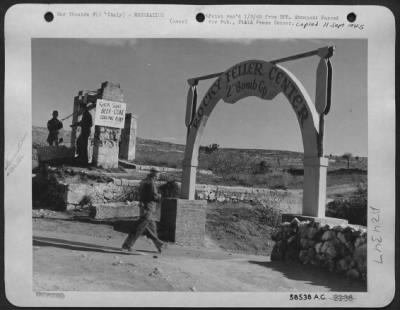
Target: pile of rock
x,y
340,248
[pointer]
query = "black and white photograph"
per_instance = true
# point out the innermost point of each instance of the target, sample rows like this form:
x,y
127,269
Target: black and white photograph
x,y
197,164
87,188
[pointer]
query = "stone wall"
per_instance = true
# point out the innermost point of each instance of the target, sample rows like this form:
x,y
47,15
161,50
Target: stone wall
x,y
51,153
128,189
69,193
290,201
337,248
168,169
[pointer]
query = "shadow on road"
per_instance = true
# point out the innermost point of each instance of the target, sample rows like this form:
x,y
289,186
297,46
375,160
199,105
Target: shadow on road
x,y
121,225
315,275
79,246
124,225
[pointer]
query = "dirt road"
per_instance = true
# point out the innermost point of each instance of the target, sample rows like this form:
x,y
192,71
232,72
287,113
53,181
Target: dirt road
x,y
78,256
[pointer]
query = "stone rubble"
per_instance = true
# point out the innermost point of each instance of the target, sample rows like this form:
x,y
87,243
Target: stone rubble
x,y
337,248
156,272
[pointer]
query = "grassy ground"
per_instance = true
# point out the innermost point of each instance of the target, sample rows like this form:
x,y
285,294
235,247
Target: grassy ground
x,y
242,227
247,228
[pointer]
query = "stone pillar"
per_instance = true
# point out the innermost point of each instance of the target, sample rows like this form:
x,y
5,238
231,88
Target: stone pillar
x,y
106,139
91,138
188,181
75,130
314,187
183,221
127,147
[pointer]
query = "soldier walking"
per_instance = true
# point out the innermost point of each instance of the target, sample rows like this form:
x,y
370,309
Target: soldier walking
x,y
149,196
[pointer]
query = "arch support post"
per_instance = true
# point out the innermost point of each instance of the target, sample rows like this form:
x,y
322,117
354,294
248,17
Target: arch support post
x,y
314,190
188,180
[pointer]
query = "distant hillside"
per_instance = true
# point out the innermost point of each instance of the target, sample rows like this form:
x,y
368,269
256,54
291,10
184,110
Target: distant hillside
x,y
155,152
231,166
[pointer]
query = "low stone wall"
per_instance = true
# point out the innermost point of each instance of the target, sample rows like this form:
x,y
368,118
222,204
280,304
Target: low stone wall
x,y
68,194
49,153
120,210
291,201
164,169
338,248
99,193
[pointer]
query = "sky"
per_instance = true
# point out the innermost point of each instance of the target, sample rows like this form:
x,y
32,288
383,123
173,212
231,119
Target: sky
x,y
153,75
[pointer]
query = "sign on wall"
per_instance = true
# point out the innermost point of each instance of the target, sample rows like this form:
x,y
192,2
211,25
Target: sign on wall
x,y
110,113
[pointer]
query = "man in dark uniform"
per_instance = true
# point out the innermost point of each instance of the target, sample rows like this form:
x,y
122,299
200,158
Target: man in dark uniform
x,y
86,124
53,125
149,196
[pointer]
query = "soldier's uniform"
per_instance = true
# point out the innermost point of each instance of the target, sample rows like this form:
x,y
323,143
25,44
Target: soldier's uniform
x,y
53,125
82,142
149,196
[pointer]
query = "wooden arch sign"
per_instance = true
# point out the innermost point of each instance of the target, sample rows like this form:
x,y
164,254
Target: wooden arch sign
x,y
258,78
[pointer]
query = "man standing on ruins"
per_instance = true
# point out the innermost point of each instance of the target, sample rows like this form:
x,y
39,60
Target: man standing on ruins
x,y
149,196
86,124
53,125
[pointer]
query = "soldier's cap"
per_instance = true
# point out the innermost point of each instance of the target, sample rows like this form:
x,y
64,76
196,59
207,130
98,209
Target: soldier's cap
x,y
154,171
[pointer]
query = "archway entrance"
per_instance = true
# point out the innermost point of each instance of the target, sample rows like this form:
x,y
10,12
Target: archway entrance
x,y
266,80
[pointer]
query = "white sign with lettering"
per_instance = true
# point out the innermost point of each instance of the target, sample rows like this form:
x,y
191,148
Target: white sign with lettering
x,y
110,113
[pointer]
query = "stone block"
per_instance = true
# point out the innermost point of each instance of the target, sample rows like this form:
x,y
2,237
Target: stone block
x,y
183,221
119,210
353,273
50,153
287,217
96,192
70,207
133,183
105,150
306,243
117,181
328,235
115,210
127,148
75,193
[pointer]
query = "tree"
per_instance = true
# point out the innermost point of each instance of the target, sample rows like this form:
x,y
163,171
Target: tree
x,y
348,157
211,148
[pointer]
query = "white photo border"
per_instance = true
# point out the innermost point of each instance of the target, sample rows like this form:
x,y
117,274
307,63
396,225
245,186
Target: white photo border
x,y
24,22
